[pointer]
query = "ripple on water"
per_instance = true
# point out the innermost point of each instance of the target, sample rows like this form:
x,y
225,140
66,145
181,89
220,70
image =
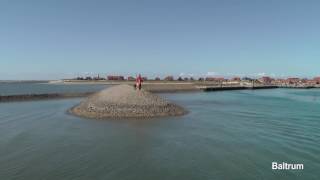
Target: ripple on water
x,y
229,135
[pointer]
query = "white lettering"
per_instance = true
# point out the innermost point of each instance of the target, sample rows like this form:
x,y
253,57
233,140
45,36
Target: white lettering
x,y
274,165
286,166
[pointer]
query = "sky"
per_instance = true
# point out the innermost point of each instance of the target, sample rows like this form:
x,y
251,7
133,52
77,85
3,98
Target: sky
x,y
46,39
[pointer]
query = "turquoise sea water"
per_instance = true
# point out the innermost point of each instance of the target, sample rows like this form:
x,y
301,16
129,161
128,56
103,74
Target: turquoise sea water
x,y
226,135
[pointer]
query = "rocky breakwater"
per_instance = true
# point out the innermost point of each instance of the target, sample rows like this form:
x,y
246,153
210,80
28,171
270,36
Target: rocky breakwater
x,y
123,101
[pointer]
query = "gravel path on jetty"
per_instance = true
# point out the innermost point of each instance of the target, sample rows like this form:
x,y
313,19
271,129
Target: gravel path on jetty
x,y
123,101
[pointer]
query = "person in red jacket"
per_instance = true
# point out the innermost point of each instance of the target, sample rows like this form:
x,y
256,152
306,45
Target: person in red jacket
x,y
139,81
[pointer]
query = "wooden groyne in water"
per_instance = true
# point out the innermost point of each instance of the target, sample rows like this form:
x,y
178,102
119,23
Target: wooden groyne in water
x,y
299,87
31,97
224,88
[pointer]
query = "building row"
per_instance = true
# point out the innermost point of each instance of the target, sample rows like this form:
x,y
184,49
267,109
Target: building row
x,y
290,81
263,80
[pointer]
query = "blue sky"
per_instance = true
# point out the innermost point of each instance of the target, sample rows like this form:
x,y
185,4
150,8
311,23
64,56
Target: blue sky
x,y
42,39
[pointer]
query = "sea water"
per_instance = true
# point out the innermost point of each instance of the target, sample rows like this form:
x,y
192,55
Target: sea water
x,y
226,135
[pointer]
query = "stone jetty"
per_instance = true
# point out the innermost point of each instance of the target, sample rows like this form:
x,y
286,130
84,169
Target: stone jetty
x,y
123,101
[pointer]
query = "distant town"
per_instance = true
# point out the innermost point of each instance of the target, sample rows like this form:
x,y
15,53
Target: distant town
x,y
292,82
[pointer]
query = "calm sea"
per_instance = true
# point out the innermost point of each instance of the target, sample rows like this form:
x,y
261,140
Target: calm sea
x,y
227,135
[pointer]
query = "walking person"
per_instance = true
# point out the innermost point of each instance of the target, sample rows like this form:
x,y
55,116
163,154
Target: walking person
x,y
139,81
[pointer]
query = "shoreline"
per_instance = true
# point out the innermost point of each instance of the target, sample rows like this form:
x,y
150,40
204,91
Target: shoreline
x,y
172,87
175,82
